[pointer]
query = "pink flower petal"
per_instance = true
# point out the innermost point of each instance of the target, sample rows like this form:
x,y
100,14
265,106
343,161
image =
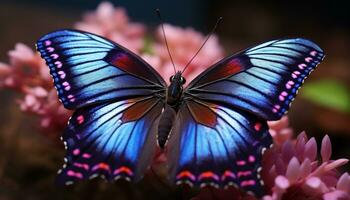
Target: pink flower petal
x,y
4,69
21,53
280,165
279,124
302,135
153,60
314,164
336,164
135,30
314,187
281,185
313,182
10,82
105,9
286,134
318,171
282,182
344,183
330,178
287,151
30,100
37,91
336,195
40,92
293,168
267,198
300,146
311,149
305,168
326,148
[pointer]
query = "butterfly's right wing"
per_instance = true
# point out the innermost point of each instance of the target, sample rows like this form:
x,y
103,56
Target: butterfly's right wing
x,y
118,98
114,140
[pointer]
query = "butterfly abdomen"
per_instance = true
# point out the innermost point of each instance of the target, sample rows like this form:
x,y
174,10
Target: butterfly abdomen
x,y
165,124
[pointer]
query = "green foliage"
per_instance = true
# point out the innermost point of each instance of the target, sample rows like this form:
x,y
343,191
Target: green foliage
x,y
328,93
147,48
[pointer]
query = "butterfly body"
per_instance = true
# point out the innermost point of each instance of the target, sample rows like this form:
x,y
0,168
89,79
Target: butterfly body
x,y
166,122
218,122
175,90
174,99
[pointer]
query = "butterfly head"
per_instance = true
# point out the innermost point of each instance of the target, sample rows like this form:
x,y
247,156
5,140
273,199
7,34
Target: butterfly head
x,y
175,88
178,78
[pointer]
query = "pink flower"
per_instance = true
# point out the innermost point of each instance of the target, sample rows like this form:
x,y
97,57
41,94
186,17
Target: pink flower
x,y
23,70
54,116
341,191
291,170
32,99
28,74
114,24
280,130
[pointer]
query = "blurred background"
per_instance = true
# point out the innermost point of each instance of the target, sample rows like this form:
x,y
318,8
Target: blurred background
x,y
29,160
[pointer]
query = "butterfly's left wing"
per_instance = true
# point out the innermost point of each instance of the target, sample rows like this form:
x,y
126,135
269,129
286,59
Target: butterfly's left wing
x,y
221,129
262,80
215,145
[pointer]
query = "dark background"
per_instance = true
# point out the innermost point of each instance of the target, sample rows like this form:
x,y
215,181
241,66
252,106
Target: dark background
x,y
245,23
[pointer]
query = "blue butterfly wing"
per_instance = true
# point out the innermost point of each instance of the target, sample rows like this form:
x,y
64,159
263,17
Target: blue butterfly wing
x,y
215,145
89,69
114,140
118,98
221,129
262,80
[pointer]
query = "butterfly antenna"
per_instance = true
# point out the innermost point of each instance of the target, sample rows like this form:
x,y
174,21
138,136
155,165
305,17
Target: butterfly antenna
x,y
211,33
165,40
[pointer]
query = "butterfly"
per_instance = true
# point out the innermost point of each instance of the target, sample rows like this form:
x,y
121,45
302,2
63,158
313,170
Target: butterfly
x,y
214,130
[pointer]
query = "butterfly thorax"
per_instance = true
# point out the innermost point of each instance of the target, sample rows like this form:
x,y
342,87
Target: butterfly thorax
x,y
175,89
173,99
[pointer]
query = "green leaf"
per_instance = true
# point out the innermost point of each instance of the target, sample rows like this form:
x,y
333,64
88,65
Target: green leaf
x,y
328,93
148,43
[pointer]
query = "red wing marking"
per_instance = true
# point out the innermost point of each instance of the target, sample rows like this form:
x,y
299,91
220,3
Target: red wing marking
x,y
186,174
129,64
137,110
103,166
202,114
228,174
209,175
224,70
123,169
124,61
